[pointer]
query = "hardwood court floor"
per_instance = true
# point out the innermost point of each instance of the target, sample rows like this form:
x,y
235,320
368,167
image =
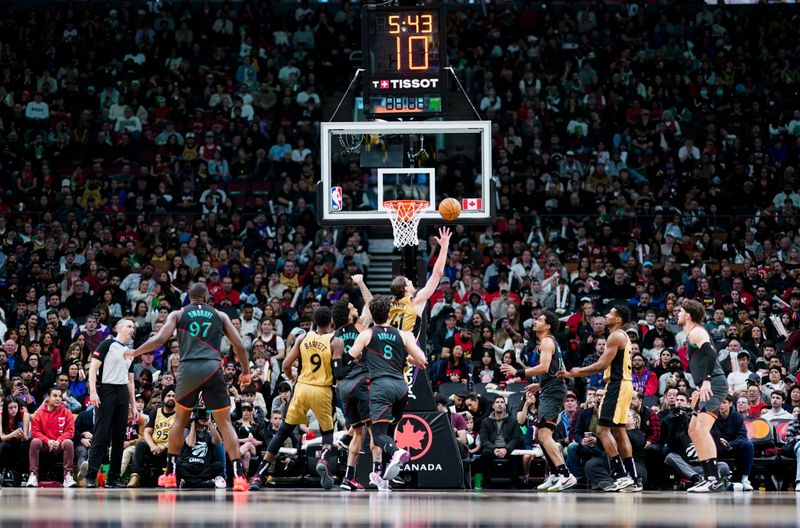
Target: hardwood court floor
x,y
280,508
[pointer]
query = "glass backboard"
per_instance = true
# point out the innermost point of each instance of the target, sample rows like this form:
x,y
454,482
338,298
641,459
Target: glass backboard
x,y
365,164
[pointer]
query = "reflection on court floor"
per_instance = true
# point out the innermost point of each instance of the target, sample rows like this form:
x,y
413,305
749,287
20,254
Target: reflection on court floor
x,y
279,508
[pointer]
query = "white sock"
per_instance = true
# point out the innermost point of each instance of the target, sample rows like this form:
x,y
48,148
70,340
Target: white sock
x,y
745,478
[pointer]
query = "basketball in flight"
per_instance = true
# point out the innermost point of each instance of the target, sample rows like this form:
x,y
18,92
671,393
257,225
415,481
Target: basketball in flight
x,y
450,209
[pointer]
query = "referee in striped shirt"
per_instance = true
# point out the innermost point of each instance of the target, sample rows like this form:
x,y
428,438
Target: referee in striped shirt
x,y
112,395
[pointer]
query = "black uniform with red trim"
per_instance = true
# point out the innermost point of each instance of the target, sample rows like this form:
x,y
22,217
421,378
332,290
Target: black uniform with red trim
x,y
553,389
200,333
353,389
385,357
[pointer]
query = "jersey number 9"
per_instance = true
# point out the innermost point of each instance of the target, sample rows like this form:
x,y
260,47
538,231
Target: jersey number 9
x,y
315,360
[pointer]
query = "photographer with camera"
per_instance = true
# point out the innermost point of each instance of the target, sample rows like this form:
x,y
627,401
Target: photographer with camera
x,y
682,456
199,464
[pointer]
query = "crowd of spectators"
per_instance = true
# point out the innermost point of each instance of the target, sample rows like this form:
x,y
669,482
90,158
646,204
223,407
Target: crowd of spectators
x,y
644,155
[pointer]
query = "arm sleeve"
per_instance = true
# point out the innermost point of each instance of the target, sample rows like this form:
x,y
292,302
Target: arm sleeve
x,y
703,365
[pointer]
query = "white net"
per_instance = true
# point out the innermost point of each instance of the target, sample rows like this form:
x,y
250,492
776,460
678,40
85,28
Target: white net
x,y
405,216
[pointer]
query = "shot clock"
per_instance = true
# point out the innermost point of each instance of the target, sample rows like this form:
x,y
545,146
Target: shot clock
x,y
404,59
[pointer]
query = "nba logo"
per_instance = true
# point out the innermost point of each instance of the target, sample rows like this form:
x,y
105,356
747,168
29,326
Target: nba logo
x,y
336,199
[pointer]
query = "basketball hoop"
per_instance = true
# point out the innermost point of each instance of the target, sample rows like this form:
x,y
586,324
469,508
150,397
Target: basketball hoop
x,y
405,216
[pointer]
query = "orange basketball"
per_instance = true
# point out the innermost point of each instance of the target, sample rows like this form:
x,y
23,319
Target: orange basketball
x,y
450,209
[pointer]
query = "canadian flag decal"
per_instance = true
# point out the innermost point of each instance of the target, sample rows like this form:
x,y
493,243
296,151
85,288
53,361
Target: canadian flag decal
x,y
471,204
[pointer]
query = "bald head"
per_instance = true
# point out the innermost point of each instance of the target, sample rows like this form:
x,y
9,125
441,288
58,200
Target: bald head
x,y
198,292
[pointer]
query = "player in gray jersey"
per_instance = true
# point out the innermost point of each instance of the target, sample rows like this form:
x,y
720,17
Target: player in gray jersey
x,y
552,391
385,350
200,328
353,378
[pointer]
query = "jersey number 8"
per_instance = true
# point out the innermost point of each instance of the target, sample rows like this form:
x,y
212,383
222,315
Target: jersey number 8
x,y
387,352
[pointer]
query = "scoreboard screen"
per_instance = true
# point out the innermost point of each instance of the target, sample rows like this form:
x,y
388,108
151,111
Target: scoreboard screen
x,y
404,57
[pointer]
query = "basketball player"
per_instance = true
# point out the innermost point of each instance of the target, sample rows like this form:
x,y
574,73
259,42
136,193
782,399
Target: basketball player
x,y
385,350
353,390
200,329
313,390
708,373
408,303
618,375
553,390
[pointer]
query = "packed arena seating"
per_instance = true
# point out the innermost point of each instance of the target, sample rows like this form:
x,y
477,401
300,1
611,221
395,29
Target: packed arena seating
x,y
643,153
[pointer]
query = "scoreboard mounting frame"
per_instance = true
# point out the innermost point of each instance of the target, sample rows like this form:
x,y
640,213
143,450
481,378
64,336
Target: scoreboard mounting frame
x,y
404,60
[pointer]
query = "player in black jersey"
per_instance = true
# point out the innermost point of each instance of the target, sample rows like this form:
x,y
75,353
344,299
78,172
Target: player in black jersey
x,y
200,328
385,350
709,375
353,377
552,393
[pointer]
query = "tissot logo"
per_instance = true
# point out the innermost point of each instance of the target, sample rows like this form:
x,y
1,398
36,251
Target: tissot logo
x,y
385,84
414,435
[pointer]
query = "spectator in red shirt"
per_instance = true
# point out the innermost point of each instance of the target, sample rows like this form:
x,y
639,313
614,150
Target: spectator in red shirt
x,y
226,297
52,429
754,397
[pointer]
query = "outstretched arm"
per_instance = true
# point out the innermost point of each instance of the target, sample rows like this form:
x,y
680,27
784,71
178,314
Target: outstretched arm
x,y
366,317
421,299
613,345
546,351
157,340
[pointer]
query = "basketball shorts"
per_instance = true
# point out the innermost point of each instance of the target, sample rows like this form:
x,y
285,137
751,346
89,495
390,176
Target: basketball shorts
x,y
551,403
615,404
719,387
387,399
202,376
355,398
318,400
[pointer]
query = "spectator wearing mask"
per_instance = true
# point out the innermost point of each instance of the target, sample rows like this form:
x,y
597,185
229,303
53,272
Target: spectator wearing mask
x,y
52,429
732,442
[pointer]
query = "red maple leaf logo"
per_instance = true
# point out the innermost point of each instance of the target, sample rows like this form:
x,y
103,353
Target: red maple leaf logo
x,y
407,437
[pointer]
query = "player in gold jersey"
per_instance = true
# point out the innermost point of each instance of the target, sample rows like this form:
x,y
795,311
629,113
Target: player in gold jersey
x,y
611,431
408,304
313,391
